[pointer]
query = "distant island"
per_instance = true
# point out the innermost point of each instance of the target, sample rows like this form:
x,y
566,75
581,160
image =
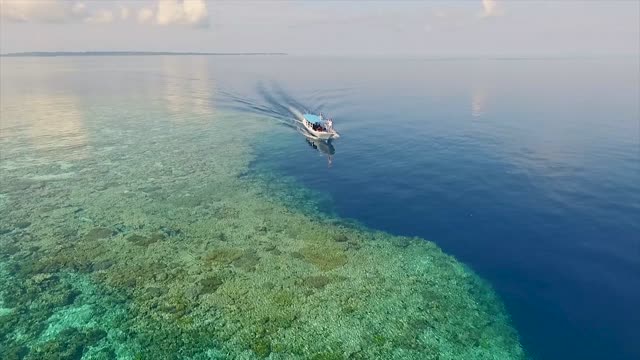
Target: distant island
x,y
126,53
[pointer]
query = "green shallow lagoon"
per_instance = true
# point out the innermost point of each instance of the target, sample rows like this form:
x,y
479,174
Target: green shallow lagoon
x,y
130,230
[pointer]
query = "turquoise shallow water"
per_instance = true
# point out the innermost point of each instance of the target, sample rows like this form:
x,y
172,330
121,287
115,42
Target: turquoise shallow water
x,y
132,227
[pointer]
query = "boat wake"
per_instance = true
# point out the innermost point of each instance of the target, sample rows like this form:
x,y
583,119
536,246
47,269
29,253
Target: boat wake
x,y
276,103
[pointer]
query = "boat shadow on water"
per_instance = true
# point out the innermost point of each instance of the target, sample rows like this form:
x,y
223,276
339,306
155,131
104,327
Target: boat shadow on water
x,y
324,147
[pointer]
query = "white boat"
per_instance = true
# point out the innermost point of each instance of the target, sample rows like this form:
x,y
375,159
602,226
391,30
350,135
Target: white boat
x,y
320,128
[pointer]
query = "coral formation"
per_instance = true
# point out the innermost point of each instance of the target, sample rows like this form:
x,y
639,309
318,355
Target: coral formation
x,y
98,233
325,258
167,249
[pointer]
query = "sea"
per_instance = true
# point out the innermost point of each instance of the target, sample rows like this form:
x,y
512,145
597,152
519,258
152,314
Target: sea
x,y
172,207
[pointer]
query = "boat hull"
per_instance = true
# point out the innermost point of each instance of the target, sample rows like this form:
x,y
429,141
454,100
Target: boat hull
x,y
323,135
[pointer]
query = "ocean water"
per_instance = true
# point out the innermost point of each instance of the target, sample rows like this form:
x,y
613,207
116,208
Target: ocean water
x,y
167,207
527,170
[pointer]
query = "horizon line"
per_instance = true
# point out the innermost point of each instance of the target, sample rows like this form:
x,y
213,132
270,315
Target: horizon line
x,y
129,53
330,55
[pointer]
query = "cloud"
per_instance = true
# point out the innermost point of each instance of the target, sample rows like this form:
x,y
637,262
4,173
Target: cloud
x,y
100,17
195,12
440,14
53,11
124,12
145,15
43,11
176,12
78,8
491,8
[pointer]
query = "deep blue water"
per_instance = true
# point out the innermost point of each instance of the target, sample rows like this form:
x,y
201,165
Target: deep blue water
x,y
526,170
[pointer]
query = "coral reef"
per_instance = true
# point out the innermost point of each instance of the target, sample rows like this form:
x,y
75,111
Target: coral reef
x,y
98,233
167,249
325,258
70,344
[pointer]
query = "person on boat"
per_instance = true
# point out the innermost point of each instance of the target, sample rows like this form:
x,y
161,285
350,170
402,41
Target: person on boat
x,y
329,124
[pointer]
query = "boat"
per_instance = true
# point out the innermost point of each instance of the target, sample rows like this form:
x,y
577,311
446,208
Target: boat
x,y
319,127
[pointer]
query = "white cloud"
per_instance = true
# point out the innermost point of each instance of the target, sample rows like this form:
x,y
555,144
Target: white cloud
x,y
79,8
124,12
48,11
195,12
145,15
53,11
100,17
182,12
169,12
491,8
164,12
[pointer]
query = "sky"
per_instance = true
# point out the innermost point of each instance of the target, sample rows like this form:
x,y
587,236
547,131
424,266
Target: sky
x,y
310,27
